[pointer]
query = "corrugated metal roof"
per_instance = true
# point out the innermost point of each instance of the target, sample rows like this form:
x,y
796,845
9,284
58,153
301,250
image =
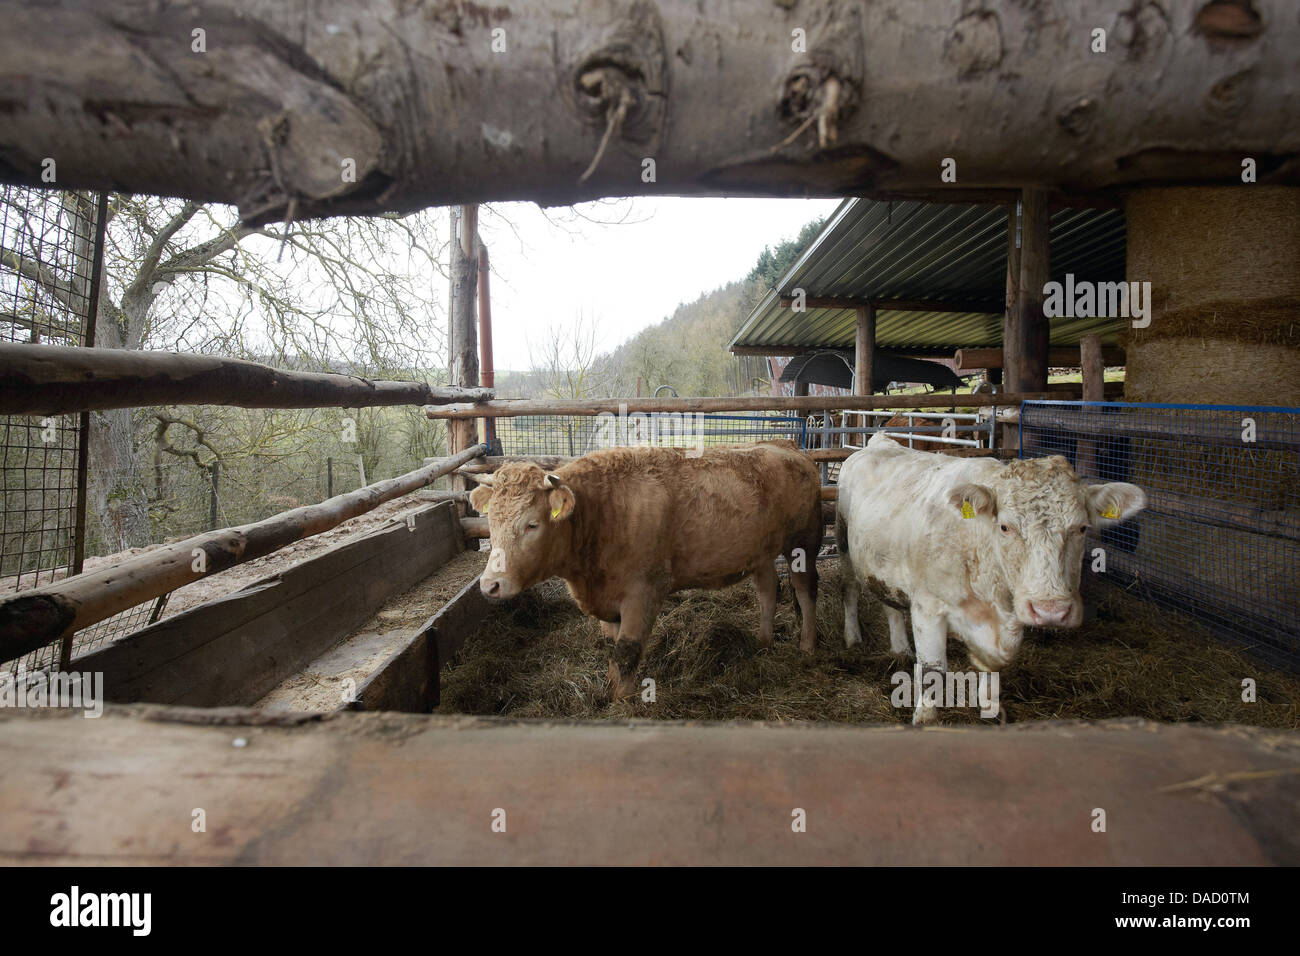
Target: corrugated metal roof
x,y
955,252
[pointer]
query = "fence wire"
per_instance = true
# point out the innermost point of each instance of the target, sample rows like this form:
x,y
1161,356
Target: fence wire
x,y
1220,537
575,435
47,265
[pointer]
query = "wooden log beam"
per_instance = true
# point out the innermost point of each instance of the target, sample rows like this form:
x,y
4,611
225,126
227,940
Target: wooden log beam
x,y
309,108
35,618
1061,357
516,407
475,528
57,379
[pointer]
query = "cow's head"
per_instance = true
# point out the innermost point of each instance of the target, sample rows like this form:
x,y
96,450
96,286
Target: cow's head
x,y
528,512
1033,519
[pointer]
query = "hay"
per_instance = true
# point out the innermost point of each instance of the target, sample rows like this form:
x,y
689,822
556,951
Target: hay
x,y
1225,327
538,656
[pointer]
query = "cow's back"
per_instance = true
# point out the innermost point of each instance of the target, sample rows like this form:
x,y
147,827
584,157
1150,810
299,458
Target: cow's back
x,y
684,521
899,524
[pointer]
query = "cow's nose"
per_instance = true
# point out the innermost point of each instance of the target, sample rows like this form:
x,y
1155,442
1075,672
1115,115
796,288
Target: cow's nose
x,y
1050,612
491,588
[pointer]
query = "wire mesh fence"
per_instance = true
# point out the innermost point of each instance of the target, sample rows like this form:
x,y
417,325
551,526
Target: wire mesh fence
x,y
1220,537
575,435
47,272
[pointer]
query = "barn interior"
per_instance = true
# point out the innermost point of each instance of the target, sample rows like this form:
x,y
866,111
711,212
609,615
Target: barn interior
x,y
370,681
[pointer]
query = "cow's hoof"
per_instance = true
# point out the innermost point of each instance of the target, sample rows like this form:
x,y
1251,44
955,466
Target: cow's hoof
x,y
808,647
620,687
924,716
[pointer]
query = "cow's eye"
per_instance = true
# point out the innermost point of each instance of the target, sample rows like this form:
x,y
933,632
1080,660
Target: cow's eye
x,y
1083,529
532,526
1006,529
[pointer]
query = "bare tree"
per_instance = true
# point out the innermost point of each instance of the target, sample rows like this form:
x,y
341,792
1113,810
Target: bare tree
x,y
343,294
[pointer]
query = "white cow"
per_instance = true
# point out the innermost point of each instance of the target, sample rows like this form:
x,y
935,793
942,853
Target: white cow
x,y
972,545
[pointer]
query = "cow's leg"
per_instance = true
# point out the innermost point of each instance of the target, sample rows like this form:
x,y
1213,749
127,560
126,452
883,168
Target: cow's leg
x,y
849,586
609,629
899,645
636,620
849,594
805,591
765,583
930,633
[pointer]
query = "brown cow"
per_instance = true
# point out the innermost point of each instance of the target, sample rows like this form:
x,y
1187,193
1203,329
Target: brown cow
x,y
626,527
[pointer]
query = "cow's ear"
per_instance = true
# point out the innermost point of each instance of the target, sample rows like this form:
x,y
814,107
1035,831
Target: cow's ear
x,y
972,500
1114,502
560,498
480,497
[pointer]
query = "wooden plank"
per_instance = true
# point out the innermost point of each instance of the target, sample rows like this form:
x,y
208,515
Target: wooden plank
x,y
408,681
57,379
365,789
235,649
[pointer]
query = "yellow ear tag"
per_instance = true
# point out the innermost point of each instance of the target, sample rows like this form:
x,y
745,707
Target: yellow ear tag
x,y
555,513
1112,512
485,508
966,510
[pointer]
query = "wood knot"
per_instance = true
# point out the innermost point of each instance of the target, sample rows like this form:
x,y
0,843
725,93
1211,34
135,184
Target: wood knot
x,y
1228,24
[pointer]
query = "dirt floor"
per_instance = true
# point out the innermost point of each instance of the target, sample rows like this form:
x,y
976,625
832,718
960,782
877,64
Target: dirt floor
x,y
539,656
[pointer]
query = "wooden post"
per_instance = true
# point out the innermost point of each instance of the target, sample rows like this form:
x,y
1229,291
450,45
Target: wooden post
x,y
1094,368
1094,385
487,371
1011,324
1034,274
462,334
329,477
864,349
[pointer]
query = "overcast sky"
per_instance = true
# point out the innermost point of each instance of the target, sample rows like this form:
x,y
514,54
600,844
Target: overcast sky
x,y
548,268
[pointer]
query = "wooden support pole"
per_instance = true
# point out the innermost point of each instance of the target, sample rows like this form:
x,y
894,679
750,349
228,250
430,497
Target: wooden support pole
x,y
515,407
1094,390
487,370
864,350
1034,272
463,366
35,618
58,379
1011,323
1092,363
